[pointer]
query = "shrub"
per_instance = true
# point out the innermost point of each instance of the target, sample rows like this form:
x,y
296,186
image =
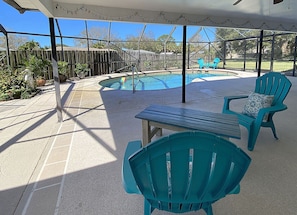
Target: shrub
x,y
37,65
81,69
63,68
13,85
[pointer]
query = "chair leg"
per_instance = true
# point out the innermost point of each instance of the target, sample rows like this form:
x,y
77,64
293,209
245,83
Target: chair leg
x,y
273,130
147,208
251,143
252,138
208,210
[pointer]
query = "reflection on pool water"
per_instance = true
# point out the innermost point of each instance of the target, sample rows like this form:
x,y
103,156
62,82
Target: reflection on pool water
x,y
154,81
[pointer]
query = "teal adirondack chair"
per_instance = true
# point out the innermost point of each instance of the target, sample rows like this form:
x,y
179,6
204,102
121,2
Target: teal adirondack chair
x,y
215,63
185,171
201,63
271,84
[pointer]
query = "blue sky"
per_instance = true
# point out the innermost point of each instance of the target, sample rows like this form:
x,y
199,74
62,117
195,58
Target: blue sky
x,y
36,22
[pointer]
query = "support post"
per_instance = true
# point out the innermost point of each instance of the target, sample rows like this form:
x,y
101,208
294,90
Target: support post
x,y
260,53
88,46
2,29
184,64
272,52
188,62
244,56
208,58
224,50
109,52
55,70
61,39
164,58
7,50
257,45
139,55
165,47
295,53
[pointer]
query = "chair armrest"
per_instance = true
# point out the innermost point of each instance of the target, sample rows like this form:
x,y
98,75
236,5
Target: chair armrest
x,y
228,99
235,97
128,180
275,108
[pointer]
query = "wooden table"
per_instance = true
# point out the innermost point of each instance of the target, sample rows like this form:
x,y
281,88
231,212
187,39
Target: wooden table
x,y
181,119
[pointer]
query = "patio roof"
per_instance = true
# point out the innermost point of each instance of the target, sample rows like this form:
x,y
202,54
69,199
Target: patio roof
x,y
265,15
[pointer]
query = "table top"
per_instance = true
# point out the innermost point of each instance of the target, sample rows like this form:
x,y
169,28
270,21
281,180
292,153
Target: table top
x,y
218,123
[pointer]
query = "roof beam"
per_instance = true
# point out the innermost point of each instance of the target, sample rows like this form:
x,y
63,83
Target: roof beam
x,y
17,6
44,6
95,12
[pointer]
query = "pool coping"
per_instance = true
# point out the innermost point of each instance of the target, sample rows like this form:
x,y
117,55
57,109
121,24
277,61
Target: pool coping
x,y
235,74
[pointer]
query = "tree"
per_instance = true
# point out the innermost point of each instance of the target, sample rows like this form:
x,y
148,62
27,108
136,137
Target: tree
x,y
236,46
147,42
13,41
99,45
166,43
283,43
98,37
131,42
30,46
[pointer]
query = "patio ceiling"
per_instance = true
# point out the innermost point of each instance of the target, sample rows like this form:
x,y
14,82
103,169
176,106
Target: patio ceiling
x,y
257,14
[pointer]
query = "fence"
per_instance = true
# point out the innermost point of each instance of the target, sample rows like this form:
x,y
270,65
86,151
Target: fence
x,y
98,61
278,53
103,61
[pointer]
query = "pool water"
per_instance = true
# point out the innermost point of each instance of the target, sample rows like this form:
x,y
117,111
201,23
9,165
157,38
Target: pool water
x,y
153,81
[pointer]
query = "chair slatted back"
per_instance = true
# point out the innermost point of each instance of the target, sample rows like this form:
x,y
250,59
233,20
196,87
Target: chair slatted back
x,y
216,60
273,83
201,63
188,170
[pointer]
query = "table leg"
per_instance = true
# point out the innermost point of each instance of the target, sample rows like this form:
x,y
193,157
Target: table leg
x,y
159,132
146,132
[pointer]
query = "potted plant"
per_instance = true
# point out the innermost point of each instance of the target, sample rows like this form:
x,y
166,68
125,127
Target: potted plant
x,y
63,70
38,67
81,70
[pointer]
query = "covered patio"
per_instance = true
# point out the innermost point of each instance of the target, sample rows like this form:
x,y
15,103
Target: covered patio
x,y
74,167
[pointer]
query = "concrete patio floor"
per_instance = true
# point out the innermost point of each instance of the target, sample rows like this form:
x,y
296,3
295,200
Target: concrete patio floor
x,y
74,167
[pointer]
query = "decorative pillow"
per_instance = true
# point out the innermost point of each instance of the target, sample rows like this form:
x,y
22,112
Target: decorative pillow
x,y
255,102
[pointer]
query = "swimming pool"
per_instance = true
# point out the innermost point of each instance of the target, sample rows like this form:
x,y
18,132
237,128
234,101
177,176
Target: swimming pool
x,y
155,81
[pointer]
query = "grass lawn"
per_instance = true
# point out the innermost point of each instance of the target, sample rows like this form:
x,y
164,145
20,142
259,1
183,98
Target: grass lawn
x,y
278,66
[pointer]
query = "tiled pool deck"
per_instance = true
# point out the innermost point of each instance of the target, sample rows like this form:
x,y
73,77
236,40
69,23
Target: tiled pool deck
x,y
74,167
